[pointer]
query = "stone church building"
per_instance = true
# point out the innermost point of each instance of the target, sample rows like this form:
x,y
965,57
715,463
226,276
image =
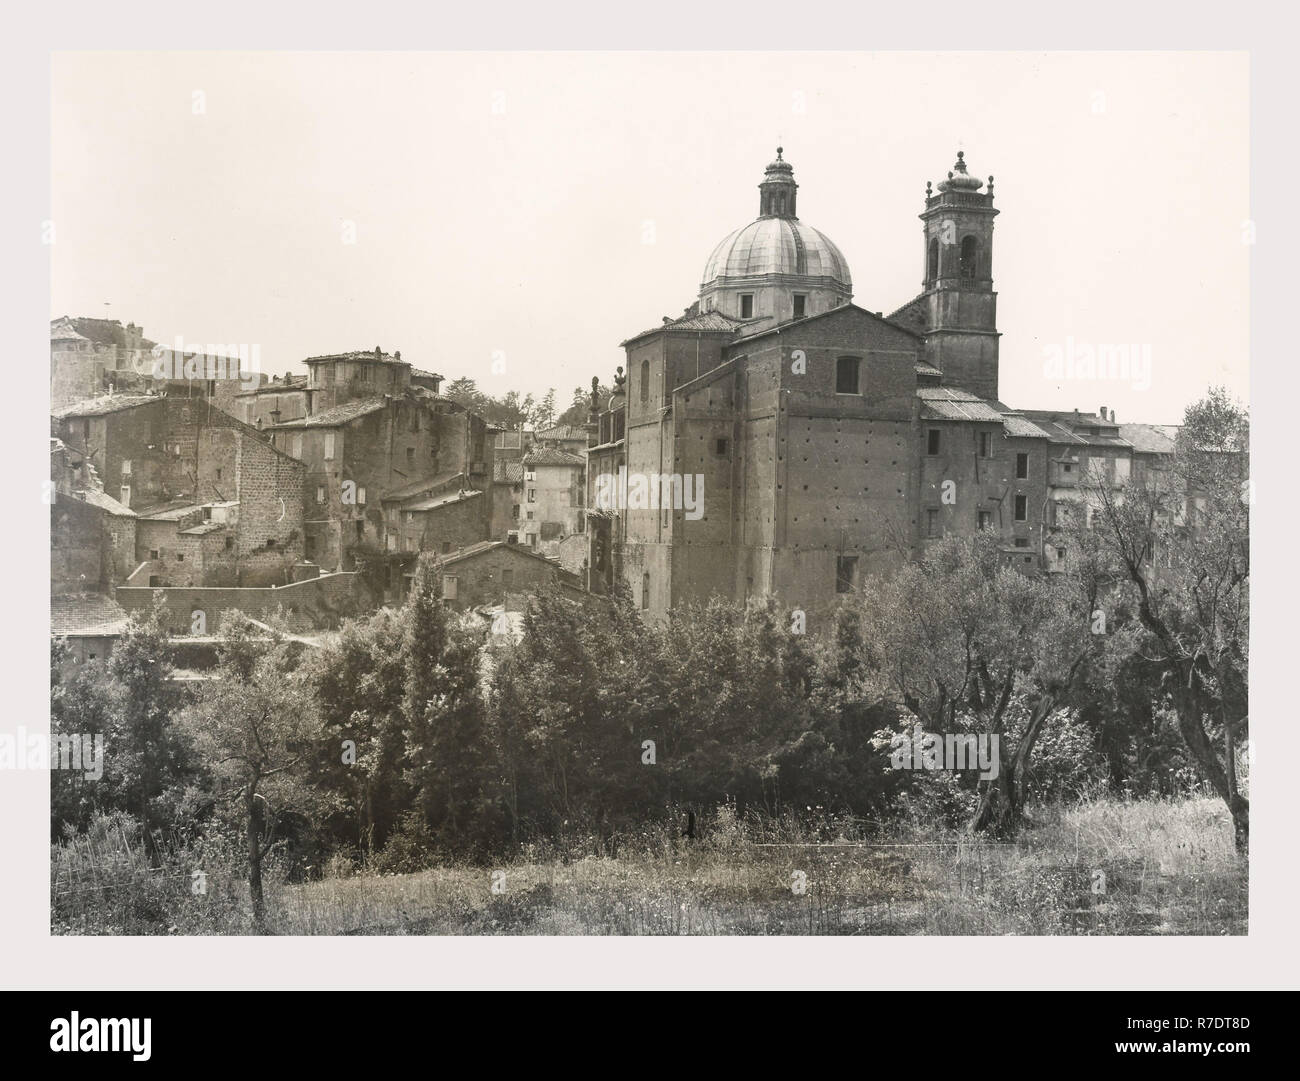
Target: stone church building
x,y
831,441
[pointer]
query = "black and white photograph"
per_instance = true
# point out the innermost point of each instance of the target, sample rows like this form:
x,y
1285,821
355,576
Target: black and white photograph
x,y
595,494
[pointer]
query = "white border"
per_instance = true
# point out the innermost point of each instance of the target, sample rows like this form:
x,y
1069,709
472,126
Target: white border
x,y
34,960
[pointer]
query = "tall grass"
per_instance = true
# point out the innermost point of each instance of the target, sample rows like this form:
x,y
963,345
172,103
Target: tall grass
x,y
1101,866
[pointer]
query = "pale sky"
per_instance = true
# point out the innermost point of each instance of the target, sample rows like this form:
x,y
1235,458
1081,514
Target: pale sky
x,y
502,201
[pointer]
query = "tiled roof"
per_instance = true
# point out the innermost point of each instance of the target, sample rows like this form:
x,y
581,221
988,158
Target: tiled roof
x,y
424,484
477,549
563,432
926,369
96,498
102,406
297,382
173,511
103,331
420,373
1062,427
436,501
1150,438
1016,425
711,322
952,403
546,456
507,472
203,528
357,354
85,613
336,417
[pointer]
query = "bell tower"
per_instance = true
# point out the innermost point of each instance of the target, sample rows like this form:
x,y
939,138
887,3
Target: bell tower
x,y
958,302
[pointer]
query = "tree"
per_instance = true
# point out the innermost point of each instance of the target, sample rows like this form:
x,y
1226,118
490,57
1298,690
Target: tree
x,y
442,712
254,734
358,684
969,644
1181,534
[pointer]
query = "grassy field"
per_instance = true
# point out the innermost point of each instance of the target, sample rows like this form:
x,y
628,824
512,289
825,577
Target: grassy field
x,y
1104,867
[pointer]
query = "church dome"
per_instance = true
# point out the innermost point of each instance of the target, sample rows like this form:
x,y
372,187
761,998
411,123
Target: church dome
x,y
776,245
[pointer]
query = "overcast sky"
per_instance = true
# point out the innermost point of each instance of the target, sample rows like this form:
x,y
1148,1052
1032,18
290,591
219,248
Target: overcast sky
x,y
503,203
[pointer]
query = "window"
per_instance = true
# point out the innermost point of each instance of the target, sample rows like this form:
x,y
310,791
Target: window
x,y
720,447
645,380
1022,508
126,467
230,543
449,584
985,520
986,444
320,493
846,375
1022,466
530,516
747,305
507,579
846,573
514,512
180,557
932,441
446,547
329,445
800,305
153,553
1067,467
932,260
532,495
125,495
361,529
932,524
1022,542
969,252
218,474
1060,555
410,456
532,540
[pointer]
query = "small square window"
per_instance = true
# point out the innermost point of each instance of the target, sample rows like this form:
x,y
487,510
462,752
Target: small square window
x,y
985,520
720,447
1022,542
446,547
153,553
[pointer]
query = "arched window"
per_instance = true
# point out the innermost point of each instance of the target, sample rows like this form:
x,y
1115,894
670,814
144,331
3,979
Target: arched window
x,y
932,260
645,380
969,252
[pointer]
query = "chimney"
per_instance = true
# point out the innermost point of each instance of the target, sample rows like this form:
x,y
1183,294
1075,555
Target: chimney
x,y
1102,411
378,352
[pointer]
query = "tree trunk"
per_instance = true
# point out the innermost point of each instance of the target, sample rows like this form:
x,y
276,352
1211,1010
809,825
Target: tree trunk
x,y
1002,807
255,860
1223,780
